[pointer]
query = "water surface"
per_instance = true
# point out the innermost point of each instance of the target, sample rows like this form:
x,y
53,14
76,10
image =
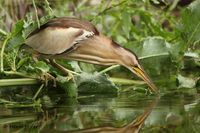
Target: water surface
x,y
172,113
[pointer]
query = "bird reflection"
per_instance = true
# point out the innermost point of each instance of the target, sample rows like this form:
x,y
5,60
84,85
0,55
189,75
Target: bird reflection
x,y
133,127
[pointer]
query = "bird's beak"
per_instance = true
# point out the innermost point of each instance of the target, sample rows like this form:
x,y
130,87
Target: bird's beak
x,y
142,74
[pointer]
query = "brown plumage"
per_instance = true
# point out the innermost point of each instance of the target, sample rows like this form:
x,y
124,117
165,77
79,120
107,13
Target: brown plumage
x,y
76,39
67,22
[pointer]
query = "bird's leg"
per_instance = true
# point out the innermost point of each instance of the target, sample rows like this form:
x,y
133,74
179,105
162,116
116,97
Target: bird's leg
x,y
35,56
67,72
45,76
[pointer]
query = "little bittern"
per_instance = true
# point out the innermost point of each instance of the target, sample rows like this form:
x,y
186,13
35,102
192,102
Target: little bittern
x,y
75,39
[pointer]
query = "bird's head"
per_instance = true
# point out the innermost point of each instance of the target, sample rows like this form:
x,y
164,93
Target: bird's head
x,y
135,67
139,71
131,61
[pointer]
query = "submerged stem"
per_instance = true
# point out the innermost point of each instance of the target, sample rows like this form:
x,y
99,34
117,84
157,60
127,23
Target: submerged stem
x,y
38,91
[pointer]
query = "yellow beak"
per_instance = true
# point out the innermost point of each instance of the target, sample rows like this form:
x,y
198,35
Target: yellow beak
x,y
142,74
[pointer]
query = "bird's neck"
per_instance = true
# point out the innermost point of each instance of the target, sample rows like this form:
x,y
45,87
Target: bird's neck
x,y
97,50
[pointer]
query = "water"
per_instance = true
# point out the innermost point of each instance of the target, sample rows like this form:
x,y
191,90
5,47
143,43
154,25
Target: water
x,y
125,113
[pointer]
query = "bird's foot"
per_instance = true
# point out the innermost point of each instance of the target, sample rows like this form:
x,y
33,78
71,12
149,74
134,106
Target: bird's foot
x,y
70,76
46,77
65,71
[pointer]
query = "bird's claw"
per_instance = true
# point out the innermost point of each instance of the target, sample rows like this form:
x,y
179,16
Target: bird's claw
x,y
70,76
46,77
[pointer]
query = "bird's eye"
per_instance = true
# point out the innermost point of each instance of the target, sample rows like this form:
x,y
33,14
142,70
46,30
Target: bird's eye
x,y
135,65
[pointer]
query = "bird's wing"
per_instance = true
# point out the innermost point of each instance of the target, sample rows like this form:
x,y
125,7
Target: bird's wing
x,y
59,35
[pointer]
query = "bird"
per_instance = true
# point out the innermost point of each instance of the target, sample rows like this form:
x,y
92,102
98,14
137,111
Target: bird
x,y
77,39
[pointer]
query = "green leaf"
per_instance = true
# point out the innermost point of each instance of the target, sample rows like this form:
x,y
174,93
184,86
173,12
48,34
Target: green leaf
x,y
16,41
191,60
153,46
75,66
22,62
121,39
191,24
69,86
95,84
42,66
18,28
16,36
185,82
126,20
86,67
154,55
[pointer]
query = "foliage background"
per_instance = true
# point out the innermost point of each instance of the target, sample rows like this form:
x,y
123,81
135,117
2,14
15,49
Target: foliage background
x,y
159,32
165,36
